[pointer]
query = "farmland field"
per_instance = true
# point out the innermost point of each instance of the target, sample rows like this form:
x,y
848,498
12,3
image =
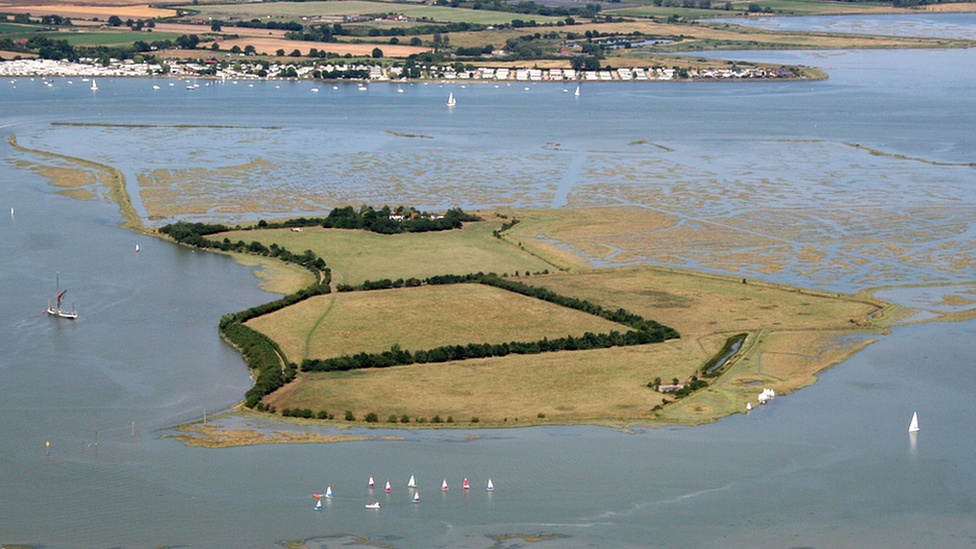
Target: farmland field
x,y
419,319
355,256
297,10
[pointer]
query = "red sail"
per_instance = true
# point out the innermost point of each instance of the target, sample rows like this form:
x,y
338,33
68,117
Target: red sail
x,y
60,296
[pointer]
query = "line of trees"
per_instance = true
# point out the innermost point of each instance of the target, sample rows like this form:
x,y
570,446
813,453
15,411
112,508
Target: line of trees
x,y
398,357
260,352
407,220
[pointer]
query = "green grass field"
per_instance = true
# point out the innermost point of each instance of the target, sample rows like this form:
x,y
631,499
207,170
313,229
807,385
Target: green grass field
x,y
108,38
297,10
355,256
419,318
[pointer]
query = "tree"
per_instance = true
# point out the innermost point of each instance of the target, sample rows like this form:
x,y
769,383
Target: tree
x,y
295,53
249,49
416,41
350,416
115,21
377,53
215,26
280,53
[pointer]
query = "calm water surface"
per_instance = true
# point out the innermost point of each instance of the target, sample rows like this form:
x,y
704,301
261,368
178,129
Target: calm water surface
x,y
830,466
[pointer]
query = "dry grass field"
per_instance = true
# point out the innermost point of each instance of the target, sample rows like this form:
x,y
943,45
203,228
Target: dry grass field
x,y
594,386
101,10
355,256
793,335
419,318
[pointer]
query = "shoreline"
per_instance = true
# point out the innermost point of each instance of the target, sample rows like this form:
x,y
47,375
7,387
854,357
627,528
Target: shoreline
x,y
46,68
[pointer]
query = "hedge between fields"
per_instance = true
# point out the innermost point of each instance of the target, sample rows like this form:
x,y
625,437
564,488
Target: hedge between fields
x,y
644,331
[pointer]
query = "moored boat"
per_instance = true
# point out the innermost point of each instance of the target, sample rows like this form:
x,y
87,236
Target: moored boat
x,y
374,505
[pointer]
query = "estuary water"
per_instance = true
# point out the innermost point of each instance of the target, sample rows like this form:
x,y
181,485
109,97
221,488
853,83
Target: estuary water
x,y
829,466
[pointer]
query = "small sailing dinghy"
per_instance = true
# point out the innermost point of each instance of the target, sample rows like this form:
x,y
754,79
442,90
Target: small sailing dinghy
x,y
577,91
416,497
318,505
465,485
328,492
412,483
388,487
913,426
374,505
450,100
444,486
371,483
94,85
491,486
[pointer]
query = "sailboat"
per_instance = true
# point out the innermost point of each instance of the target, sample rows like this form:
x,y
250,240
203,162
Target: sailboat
x,y
491,486
318,505
416,497
412,483
370,483
57,310
465,485
444,486
328,492
94,85
137,248
450,100
577,91
913,426
388,487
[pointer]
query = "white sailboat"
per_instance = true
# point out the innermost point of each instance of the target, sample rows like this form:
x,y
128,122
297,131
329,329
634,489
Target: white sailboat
x,y
57,310
137,248
412,483
388,488
577,91
94,85
444,486
328,492
913,426
318,505
370,483
416,497
491,486
450,100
